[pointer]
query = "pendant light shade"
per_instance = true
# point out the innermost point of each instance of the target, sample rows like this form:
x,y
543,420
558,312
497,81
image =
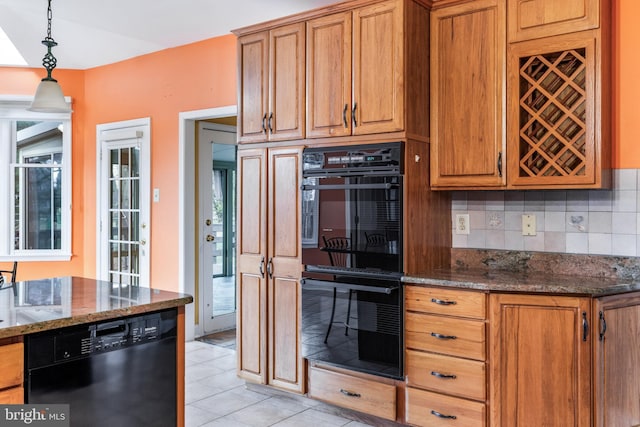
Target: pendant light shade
x,y
49,97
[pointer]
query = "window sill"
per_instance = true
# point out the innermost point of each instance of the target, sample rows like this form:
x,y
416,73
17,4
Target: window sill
x,y
36,257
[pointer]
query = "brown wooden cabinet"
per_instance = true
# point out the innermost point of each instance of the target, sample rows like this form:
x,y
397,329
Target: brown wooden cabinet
x,y
531,19
271,82
12,368
555,131
558,116
365,72
467,93
269,267
540,360
616,321
445,356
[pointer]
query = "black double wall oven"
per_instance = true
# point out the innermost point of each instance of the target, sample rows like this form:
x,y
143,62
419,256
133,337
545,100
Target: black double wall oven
x,y
352,297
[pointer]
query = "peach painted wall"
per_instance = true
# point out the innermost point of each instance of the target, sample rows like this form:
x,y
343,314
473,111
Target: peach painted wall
x,y
159,85
203,75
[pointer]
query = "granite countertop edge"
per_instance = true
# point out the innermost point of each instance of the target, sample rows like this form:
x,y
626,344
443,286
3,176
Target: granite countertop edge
x,y
502,281
79,319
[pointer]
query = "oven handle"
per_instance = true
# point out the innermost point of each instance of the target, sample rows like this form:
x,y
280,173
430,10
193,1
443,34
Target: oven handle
x,y
387,186
325,285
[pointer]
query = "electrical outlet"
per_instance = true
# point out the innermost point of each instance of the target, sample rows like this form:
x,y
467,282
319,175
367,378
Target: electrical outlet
x,y
528,225
462,224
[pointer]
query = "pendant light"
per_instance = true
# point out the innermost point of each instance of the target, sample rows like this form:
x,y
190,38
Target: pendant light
x,y
49,97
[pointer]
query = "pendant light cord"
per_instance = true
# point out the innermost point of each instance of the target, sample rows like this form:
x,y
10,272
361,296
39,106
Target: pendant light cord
x,y
49,61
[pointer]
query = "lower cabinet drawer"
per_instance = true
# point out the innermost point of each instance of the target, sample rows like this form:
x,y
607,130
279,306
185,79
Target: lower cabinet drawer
x,y
451,375
359,394
425,408
12,396
11,365
445,335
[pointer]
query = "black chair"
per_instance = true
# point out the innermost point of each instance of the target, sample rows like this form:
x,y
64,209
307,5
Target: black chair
x,y
338,249
375,239
13,272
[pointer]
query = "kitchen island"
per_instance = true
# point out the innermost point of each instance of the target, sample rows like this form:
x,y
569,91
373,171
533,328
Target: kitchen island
x,y
105,321
500,348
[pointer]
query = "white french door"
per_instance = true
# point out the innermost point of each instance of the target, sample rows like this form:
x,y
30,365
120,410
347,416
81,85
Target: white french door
x,y
123,247
216,230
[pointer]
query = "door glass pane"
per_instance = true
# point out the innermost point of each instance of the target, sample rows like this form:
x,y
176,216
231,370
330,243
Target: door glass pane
x,y
124,216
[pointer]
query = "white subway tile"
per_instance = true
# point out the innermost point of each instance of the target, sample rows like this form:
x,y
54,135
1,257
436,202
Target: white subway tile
x,y
513,240
625,179
600,243
477,220
577,243
555,241
600,222
476,239
514,201
623,245
476,201
625,201
495,239
555,201
600,201
577,201
534,243
459,240
624,223
513,221
534,200
494,200
554,221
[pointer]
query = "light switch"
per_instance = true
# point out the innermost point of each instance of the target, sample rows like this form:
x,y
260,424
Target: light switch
x,y
156,195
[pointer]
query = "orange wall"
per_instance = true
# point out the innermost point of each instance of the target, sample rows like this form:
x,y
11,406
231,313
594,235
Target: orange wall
x,y
159,85
203,75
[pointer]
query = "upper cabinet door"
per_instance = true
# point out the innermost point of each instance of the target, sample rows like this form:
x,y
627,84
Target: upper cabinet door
x,y
467,92
329,76
253,83
378,68
286,83
532,19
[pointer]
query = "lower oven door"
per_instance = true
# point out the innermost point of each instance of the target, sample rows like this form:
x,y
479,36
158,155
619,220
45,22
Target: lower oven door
x,y
355,325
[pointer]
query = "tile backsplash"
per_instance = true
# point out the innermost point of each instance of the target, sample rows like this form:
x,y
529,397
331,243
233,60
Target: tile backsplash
x,y
603,222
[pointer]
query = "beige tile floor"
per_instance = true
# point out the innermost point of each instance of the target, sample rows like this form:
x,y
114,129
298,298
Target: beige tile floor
x,y
216,397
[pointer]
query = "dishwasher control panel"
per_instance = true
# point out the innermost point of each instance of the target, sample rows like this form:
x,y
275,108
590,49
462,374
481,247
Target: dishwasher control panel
x,y
81,341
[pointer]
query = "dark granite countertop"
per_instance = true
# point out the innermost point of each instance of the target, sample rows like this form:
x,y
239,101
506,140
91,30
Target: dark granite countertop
x,y
525,282
39,305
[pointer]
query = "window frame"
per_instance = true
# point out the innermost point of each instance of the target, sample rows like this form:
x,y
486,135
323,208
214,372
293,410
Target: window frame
x,y
13,109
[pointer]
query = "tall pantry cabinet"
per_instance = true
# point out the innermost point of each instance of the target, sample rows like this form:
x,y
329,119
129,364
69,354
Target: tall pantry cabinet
x,y
269,266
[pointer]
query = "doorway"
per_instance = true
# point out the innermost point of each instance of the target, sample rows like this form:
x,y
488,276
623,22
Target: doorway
x,y
217,225
123,204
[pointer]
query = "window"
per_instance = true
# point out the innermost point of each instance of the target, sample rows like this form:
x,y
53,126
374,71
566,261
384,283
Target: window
x,y
35,183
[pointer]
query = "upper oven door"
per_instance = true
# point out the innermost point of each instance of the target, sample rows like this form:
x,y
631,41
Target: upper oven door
x,y
353,222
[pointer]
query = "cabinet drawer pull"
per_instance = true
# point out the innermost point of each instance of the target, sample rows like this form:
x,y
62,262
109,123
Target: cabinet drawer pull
x,y
439,415
349,393
442,302
443,376
443,337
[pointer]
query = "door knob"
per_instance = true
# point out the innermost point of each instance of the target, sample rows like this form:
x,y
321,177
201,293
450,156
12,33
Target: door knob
x,y
210,238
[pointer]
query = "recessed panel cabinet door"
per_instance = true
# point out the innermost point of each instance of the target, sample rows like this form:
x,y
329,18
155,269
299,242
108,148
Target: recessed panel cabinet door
x,y
378,65
532,19
467,92
616,367
287,81
329,76
251,268
540,360
253,85
284,268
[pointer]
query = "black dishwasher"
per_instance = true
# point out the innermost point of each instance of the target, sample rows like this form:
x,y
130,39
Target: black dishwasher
x,y
114,373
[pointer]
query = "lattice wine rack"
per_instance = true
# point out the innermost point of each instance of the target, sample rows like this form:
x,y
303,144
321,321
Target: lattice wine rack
x,y
553,114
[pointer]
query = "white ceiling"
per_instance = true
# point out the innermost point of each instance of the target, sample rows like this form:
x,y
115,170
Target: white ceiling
x,y
91,33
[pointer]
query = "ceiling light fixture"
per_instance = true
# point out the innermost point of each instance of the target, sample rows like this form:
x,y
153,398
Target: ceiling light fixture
x,y
49,97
